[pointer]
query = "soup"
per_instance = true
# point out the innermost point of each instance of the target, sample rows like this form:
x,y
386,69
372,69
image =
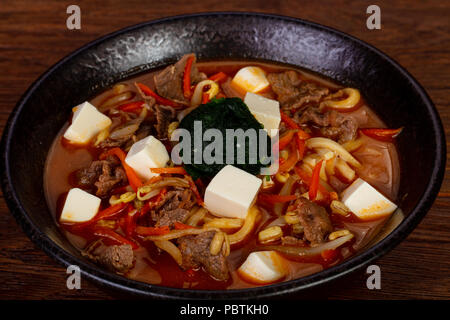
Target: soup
x,y
122,198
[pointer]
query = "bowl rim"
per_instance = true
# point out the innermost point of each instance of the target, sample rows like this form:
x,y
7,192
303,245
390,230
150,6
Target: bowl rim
x,y
134,287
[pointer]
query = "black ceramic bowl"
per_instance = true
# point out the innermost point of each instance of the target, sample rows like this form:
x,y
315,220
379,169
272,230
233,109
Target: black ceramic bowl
x,y
389,89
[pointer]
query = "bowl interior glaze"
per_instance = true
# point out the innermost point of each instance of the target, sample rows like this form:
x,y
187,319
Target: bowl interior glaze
x,y
388,88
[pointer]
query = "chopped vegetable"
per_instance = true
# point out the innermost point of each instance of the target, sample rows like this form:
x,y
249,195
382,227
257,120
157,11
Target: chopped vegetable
x,y
320,142
286,190
205,97
347,104
314,186
288,121
110,212
311,251
187,78
275,198
182,226
287,165
195,190
286,139
306,179
152,231
171,249
134,107
149,92
131,222
113,236
133,179
270,234
218,77
204,91
171,170
386,135
329,255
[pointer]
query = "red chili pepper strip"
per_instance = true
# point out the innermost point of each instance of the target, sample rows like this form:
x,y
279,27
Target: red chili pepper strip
x,y
275,198
156,199
110,212
149,92
290,162
205,98
288,121
314,187
329,255
144,210
152,231
133,179
131,222
218,77
134,107
182,226
381,134
285,139
220,95
301,147
114,236
195,190
303,135
306,179
200,185
187,78
172,170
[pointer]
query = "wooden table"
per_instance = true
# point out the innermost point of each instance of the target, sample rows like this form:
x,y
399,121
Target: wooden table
x,y
33,36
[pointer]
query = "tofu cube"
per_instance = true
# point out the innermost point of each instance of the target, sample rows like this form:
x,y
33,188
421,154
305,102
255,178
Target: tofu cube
x,y
87,122
80,206
250,79
366,202
263,267
266,111
231,192
145,154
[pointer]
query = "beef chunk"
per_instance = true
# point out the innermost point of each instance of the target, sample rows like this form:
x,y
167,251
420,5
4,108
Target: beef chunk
x,y
173,208
122,134
103,175
164,116
314,219
293,93
115,258
332,124
169,82
195,252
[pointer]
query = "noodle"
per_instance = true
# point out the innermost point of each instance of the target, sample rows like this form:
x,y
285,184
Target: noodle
x,y
115,100
172,182
353,97
198,92
224,223
147,194
174,234
285,191
318,142
311,251
247,228
197,217
216,243
171,249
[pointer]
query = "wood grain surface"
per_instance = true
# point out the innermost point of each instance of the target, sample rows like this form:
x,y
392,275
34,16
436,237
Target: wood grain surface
x,y
33,36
